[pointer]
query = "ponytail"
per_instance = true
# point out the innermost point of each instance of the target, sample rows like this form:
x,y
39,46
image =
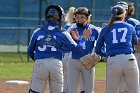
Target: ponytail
x,y
70,15
131,9
118,12
113,18
111,23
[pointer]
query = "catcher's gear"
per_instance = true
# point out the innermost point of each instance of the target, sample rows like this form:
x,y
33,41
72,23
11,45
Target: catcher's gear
x,y
90,60
54,13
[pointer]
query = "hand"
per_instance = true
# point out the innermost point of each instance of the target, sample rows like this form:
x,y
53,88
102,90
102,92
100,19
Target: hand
x,y
74,34
104,24
87,33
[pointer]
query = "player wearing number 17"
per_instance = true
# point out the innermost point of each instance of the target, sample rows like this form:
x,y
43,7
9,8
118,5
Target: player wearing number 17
x,y
119,38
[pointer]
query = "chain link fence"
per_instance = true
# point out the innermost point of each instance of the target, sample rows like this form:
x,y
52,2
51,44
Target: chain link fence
x,y
18,18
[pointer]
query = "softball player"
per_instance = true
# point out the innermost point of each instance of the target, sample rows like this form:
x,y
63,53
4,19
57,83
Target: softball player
x,y
70,19
46,47
123,87
118,37
75,68
136,24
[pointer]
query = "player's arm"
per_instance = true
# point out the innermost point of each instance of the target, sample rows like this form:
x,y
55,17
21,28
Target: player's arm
x,y
137,28
70,45
32,44
99,49
97,32
134,36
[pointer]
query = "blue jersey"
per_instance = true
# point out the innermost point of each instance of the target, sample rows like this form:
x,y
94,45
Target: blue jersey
x,y
66,26
118,39
89,44
48,41
135,23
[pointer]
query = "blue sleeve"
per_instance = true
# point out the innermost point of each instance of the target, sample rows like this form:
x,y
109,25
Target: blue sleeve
x,y
66,26
137,28
96,31
81,45
69,44
134,36
31,47
100,46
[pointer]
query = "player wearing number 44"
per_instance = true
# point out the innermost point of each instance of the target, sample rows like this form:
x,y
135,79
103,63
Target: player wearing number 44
x,y
119,38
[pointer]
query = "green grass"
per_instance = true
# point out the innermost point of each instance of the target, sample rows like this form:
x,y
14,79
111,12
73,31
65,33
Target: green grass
x,y
100,71
11,67
15,70
13,57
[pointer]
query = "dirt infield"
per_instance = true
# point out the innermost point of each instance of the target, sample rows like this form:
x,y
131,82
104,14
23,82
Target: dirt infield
x,y
12,88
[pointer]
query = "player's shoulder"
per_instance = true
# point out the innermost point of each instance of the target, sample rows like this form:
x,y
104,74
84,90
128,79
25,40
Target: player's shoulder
x,y
66,26
65,33
95,28
133,21
37,31
128,25
73,25
122,24
105,28
61,33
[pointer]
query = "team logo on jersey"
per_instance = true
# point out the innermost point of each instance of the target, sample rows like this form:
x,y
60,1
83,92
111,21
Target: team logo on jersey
x,y
48,38
54,37
91,38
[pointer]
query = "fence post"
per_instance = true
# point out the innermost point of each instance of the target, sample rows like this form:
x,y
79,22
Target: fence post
x,y
18,47
40,11
29,35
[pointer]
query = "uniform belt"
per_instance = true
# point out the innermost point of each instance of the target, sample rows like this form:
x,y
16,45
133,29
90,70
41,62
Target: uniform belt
x,y
119,54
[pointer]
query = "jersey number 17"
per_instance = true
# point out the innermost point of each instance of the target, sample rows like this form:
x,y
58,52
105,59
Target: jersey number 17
x,y
122,39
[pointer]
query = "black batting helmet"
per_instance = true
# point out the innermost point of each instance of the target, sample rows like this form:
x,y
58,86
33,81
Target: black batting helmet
x,y
54,13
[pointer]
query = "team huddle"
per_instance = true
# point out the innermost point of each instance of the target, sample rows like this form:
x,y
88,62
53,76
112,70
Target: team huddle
x,y
60,52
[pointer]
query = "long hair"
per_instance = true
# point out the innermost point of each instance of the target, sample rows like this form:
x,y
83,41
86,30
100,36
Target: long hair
x,y
117,13
131,9
124,5
83,10
70,16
